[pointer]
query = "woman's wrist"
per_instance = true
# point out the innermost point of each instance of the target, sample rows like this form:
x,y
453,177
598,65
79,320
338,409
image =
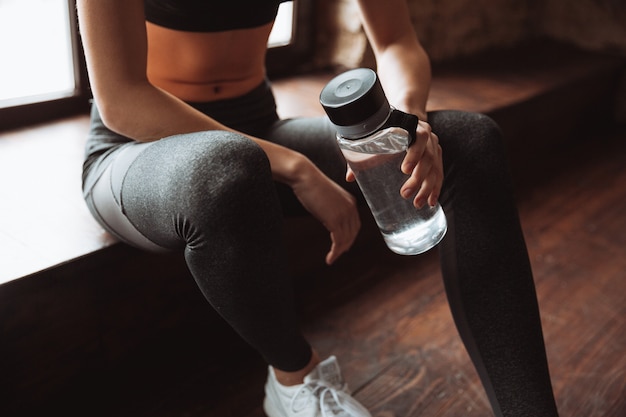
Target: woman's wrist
x,y
408,105
294,169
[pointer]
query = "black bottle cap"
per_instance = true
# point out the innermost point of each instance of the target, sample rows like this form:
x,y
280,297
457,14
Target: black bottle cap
x,y
355,98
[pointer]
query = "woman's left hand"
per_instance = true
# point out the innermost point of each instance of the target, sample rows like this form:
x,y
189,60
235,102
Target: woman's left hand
x,y
424,165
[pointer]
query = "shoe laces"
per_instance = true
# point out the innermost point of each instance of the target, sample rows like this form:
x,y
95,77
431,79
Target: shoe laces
x,y
333,402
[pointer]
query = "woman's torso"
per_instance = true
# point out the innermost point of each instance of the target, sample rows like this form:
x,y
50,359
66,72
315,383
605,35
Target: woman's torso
x,y
197,64
203,50
209,66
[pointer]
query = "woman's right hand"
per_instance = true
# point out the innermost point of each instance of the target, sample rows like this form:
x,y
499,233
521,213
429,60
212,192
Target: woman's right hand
x,y
333,206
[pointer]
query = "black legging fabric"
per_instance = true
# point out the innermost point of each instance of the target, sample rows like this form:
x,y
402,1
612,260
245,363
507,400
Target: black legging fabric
x,y
211,195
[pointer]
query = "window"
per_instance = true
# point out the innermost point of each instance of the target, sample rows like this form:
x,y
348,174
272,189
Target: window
x,y
39,65
43,73
291,39
282,32
42,76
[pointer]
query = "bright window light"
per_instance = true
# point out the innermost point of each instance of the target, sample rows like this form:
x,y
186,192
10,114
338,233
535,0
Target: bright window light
x,y
282,31
35,51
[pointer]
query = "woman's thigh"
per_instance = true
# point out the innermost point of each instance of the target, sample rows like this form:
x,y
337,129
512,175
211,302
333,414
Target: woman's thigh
x,y
104,199
171,193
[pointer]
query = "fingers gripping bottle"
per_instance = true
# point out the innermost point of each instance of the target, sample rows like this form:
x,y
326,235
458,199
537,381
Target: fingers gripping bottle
x,y
374,137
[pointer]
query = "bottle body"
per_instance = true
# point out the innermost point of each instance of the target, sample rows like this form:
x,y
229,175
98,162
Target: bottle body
x,y
374,137
376,160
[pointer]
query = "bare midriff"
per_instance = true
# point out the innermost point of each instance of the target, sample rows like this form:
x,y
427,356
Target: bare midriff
x,y
206,66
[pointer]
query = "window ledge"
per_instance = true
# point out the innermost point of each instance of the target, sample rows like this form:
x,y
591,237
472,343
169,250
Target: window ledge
x,y
43,219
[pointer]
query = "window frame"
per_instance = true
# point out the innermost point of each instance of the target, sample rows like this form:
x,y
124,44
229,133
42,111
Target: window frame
x,y
280,61
39,112
296,56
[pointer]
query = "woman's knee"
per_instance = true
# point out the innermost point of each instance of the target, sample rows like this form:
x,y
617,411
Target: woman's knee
x,y
470,139
197,177
219,168
488,132
229,154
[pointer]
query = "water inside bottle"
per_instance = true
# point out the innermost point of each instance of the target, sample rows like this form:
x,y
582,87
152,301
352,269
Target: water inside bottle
x,y
376,164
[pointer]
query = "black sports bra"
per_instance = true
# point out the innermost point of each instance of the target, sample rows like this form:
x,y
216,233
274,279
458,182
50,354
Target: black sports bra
x,y
211,15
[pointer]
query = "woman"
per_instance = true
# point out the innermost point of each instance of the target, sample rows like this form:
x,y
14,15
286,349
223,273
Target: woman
x,y
186,152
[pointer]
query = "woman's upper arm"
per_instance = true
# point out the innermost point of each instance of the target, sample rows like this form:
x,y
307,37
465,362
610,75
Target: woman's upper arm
x,y
114,37
386,22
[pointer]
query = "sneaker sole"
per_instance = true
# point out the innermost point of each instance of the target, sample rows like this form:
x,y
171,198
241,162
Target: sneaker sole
x,y
270,408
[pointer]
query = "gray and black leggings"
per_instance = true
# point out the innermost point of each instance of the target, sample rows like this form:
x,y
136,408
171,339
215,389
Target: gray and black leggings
x,y
211,195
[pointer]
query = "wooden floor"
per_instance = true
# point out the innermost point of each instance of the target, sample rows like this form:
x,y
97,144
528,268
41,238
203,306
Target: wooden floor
x,y
394,335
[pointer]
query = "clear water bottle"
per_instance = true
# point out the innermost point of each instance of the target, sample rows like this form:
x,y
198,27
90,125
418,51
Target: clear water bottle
x,y
374,137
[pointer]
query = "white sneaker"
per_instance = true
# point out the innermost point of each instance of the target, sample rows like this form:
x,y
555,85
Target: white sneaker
x,y
323,394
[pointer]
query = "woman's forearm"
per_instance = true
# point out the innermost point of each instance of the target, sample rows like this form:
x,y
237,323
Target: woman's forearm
x,y
402,64
145,113
405,74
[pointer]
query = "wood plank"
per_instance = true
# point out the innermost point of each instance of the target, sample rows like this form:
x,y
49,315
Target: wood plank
x,y
42,214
